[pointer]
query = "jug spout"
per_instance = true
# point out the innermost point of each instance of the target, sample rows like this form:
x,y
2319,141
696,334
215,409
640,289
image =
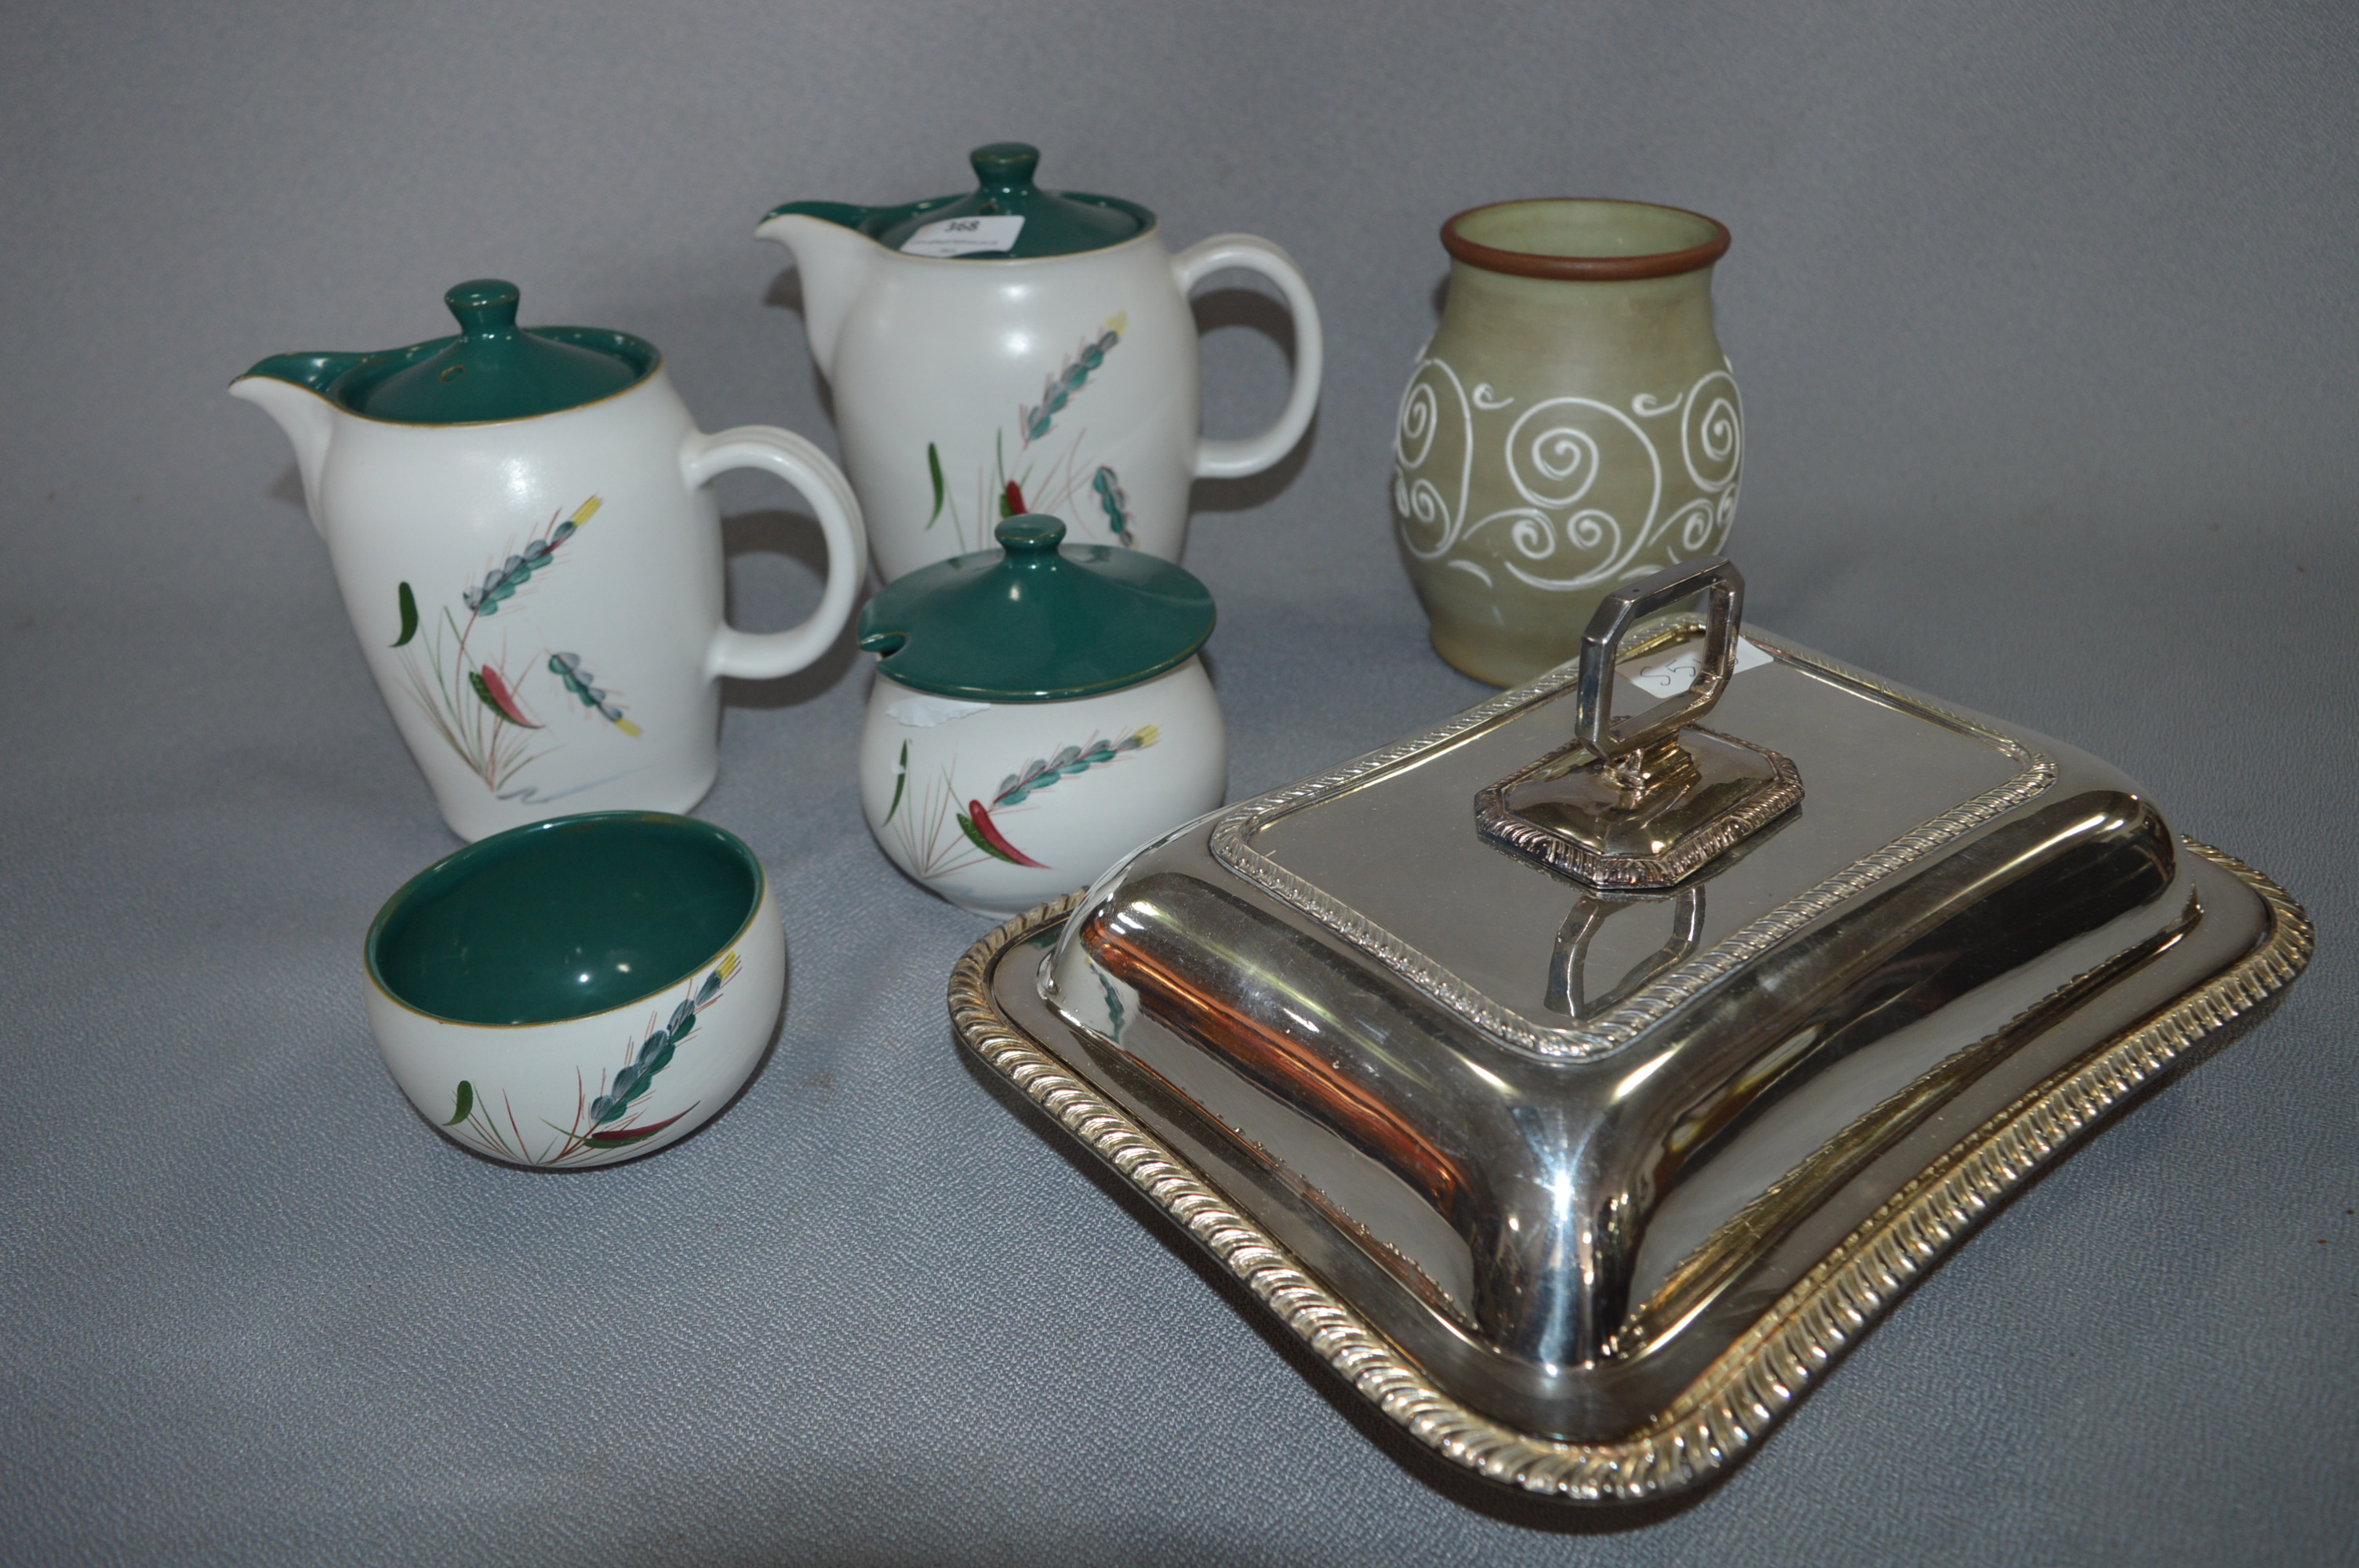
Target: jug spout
x,y
833,258
290,388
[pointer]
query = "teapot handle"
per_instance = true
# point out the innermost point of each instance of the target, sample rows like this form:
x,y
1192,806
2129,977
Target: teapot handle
x,y
760,656
1234,459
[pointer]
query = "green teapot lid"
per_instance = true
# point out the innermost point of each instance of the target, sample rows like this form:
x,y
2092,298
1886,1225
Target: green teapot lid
x,y
1054,222
1036,620
493,371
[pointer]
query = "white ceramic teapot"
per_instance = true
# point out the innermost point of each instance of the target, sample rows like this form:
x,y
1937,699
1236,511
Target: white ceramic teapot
x,y
1038,713
1019,349
520,529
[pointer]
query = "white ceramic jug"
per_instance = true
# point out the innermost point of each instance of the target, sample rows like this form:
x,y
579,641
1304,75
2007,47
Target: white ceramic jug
x,y
519,524
1017,350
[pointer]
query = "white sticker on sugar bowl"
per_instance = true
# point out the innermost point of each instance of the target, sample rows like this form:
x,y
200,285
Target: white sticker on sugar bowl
x,y
927,712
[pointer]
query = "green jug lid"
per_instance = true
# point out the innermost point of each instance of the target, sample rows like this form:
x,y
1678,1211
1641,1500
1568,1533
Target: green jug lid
x,y
1036,620
493,371
1055,222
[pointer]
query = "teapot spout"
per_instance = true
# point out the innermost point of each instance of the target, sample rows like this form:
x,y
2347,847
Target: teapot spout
x,y
834,258
290,388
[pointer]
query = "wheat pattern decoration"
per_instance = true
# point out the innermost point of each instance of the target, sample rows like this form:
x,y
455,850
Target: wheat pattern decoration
x,y
607,1121
1115,504
471,700
1040,773
501,581
567,667
940,841
1071,377
1040,482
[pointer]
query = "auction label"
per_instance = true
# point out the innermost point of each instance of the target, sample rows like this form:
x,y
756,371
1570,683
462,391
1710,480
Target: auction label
x,y
1671,672
963,237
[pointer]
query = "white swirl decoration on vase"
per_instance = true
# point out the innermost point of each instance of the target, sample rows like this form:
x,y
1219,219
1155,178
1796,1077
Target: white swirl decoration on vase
x,y
1600,495
1419,501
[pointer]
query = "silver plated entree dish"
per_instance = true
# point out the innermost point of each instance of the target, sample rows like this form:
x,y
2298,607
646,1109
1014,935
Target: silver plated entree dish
x,y
1579,1088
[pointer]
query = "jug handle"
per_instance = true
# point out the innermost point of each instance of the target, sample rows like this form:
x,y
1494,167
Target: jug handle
x,y
760,656
1234,459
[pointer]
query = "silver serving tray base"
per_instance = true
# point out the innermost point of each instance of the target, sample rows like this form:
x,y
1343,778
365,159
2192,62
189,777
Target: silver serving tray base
x,y
999,1014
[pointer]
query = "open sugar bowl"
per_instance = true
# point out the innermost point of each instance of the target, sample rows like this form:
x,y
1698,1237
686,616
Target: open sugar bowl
x,y
581,991
1039,711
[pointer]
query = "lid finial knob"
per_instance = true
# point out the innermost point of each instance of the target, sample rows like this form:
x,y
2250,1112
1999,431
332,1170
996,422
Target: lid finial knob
x,y
1030,534
485,307
1005,166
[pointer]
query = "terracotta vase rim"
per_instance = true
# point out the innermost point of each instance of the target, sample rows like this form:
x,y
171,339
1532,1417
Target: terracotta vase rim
x,y
1583,269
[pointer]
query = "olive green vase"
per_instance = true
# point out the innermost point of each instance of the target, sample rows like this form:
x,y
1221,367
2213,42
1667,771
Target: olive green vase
x,y
1571,425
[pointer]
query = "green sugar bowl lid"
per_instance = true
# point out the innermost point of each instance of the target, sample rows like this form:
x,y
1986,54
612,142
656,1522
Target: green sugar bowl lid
x,y
1053,222
1036,620
493,371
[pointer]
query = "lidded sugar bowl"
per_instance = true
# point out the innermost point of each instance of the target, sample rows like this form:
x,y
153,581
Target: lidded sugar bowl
x,y
1039,711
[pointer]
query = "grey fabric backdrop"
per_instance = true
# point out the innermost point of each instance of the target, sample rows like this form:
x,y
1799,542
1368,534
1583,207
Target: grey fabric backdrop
x,y
2044,316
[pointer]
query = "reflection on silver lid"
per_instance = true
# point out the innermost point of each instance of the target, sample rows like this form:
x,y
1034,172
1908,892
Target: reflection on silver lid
x,y
1560,1142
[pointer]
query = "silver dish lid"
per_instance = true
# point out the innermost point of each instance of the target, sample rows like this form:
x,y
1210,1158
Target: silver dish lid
x,y
1558,1051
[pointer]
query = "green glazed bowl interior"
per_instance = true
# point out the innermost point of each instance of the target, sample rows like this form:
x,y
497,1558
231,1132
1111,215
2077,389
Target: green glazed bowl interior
x,y
564,918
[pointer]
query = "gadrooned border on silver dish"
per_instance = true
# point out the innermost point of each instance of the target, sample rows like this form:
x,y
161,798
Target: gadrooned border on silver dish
x,y
1727,1410
1230,845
